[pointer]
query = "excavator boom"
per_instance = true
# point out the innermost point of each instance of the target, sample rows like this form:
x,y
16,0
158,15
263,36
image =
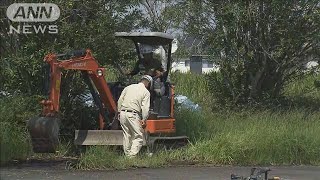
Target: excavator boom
x,y
44,130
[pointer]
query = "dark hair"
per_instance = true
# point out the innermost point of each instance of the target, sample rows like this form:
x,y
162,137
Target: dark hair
x,y
160,69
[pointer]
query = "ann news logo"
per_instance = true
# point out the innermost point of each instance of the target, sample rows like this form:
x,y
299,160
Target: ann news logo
x,y
33,18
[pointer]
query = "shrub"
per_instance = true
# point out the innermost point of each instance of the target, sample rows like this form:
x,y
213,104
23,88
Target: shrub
x,y
14,139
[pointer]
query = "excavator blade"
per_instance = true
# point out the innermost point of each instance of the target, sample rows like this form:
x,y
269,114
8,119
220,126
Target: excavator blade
x,y
98,137
115,138
44,132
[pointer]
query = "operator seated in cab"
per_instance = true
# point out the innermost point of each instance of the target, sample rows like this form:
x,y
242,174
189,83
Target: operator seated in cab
x,y
152,63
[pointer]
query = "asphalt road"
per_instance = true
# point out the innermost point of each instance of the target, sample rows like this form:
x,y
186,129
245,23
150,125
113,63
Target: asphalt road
x,y
58,171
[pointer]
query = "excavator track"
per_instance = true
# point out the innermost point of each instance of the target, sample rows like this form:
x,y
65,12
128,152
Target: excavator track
x,y
167,143
44,133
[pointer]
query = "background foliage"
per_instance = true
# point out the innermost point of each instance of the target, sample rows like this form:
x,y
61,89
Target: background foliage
x,y
260,46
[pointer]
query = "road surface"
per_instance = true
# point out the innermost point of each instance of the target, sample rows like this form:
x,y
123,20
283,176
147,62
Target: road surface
x,y
59,171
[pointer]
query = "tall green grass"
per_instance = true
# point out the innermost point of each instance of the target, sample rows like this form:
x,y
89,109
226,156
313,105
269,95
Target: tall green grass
x,y
14,139
194,86
253,137
276,136
15,142
303,87
303,93
273,136
102,157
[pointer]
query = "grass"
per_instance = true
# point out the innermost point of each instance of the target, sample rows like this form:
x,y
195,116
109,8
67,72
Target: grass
x,y
247,138
304,87
257,138
194,86
277,136
101,157
14,139
13,143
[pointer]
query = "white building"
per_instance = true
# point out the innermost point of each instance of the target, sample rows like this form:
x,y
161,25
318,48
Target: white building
x,y
183,66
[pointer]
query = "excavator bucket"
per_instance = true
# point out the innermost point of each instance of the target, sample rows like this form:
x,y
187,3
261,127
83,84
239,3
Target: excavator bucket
x,y
44,132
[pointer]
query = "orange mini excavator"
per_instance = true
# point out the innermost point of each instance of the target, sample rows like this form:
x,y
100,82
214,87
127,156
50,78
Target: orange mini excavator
x,y
44,130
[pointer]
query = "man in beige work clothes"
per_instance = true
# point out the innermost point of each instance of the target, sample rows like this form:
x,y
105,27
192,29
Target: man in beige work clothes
x,y
133,106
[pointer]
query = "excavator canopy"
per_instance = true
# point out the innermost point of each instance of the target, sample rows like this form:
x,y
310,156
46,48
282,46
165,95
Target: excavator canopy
x,y
151,38
160,39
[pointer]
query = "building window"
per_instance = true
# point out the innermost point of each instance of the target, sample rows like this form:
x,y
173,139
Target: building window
x,y
187,62
207,64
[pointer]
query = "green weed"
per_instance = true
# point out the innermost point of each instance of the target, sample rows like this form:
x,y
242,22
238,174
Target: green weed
x,y
14,139
276,136
273,136
101,157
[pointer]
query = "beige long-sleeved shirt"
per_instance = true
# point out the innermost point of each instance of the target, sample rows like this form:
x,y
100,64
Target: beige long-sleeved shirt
x,y
135,97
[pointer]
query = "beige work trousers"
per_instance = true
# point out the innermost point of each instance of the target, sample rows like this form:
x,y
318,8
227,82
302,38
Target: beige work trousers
x,y
132,133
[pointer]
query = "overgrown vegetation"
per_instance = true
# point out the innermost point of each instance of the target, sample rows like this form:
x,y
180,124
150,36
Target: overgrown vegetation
x,y
14,139
254,111
263,137
276,136
282,135
259,45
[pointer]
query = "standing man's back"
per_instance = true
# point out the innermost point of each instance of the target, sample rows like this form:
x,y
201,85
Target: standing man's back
x,y
133,99
133,106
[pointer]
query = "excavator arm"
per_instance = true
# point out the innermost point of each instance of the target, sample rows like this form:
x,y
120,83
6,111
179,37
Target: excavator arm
x,y
86,64
44,130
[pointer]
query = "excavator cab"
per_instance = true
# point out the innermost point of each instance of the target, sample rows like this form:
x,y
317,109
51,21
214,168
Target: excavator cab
x,y
154,50
44,130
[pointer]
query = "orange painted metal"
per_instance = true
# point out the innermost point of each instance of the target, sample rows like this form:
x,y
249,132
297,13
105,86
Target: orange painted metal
x,y
51,106
101,122
161,126
85,63
89,64
156,126
104,91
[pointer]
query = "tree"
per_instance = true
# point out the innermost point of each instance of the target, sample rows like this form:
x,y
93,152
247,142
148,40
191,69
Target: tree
x,y
159,15
259,45
82,24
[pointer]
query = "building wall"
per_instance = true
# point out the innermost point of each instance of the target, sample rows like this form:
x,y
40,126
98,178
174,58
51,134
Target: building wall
x,y
183,66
